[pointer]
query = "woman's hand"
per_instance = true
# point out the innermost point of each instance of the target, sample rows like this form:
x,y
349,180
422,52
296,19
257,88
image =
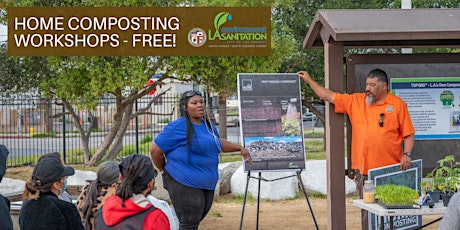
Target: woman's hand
x,y
246,156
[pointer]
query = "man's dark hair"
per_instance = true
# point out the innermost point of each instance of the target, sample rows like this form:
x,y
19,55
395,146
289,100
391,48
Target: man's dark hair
x,y
379,74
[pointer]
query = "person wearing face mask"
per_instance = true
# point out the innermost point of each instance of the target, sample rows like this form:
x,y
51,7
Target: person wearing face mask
x,y
42,209
380,125
130,208
187,153
63,195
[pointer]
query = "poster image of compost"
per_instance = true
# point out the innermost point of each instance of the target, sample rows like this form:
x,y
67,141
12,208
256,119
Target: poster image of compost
x,y
271,124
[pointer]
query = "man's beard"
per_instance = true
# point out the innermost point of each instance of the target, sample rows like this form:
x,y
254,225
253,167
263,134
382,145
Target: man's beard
x,y
370,98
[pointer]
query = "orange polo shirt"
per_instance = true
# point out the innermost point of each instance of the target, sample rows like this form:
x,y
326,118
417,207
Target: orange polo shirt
x,y
373,146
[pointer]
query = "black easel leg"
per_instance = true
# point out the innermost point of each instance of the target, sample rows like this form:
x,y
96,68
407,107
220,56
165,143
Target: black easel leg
x,y
306,197
244,201
258,201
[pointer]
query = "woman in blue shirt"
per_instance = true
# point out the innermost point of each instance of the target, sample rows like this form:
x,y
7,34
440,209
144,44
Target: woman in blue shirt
x,y
187,152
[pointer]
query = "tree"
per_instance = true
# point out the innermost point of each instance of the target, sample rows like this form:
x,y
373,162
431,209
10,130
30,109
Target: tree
x,y
219,73
78,82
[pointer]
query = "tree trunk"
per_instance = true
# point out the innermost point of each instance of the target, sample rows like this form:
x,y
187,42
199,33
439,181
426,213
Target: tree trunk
x,y
47,116
223,117
117,143
84,138
113,142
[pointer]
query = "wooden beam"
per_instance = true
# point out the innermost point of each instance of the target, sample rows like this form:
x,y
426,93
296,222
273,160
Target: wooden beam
x,y
335,138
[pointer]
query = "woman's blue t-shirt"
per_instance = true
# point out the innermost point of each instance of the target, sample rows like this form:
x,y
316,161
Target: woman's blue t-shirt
x,y
197,168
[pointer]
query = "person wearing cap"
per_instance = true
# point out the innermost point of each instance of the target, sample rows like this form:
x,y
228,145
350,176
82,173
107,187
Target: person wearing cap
x,y
42,209
63,195
187,153
6,222
129,208
382,130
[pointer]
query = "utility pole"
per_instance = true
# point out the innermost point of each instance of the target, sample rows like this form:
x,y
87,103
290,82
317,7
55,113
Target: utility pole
x,y
406,4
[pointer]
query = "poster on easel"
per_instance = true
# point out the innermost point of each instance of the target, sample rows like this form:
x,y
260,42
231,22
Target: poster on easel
x,y
270,107
393,174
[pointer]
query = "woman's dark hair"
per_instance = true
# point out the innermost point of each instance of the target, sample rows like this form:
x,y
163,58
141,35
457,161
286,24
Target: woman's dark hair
x,y
183,112
33,189
107,174
137,172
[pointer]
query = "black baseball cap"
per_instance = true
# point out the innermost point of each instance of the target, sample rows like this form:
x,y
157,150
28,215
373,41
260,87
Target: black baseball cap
x,y
49,170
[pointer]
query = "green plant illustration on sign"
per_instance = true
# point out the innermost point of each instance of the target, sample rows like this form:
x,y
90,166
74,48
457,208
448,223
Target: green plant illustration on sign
x,y
220,19
447,98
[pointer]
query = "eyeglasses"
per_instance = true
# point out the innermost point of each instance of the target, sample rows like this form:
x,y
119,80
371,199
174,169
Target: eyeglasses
x,y
191,93
382,115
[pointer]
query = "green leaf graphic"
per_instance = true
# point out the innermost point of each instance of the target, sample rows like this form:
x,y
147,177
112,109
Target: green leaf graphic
x,y
220,19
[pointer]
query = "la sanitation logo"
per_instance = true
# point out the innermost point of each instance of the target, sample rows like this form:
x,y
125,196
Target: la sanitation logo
x,y
139,31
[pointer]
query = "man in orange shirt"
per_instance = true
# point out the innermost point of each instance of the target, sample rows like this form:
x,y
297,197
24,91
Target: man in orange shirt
x,y
380,122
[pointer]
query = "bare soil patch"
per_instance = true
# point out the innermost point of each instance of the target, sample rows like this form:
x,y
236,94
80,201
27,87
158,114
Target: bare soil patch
x,y
287,214
226,212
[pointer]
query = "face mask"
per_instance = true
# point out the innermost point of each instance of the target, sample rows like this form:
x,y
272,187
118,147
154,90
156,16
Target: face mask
x,y
65,186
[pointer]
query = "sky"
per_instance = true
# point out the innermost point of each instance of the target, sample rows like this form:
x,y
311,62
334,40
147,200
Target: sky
x,y
3,32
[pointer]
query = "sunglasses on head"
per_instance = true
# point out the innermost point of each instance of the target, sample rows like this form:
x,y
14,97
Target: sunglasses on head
x,y
191,93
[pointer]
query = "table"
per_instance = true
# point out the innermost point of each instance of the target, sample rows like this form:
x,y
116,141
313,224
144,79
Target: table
x,y
377,209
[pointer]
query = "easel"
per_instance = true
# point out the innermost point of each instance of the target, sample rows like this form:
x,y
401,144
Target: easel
x,y
258,196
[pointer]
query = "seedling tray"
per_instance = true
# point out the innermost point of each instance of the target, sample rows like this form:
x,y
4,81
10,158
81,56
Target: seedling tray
x,y
398,206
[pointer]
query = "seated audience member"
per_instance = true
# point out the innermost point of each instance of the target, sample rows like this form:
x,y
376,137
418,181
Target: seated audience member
x,y
94,193
5,218
451,219
42,209
129,208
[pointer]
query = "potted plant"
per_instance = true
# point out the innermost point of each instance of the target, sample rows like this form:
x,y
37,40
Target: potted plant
x,y
448,174
430,186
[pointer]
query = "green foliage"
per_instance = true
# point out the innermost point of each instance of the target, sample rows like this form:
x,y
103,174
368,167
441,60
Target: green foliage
x,y
147,139
164,121
48,134
391,194
447,174
216,213
314,146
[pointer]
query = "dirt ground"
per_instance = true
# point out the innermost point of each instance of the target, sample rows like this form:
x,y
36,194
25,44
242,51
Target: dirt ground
x,y
287,214
294,214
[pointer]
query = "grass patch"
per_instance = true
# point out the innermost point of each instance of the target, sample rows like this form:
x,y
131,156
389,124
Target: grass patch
x,y
216,214
40,135
313,134
230,157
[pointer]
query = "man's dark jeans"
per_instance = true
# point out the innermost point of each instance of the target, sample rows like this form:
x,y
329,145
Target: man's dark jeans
x,y
191,204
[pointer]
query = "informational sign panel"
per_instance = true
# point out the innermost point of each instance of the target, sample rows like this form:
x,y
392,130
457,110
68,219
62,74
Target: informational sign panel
x,y
433,104
271,121
392,174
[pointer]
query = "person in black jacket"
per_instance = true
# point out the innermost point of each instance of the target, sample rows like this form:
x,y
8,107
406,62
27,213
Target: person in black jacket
x,y
42,209
5,218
